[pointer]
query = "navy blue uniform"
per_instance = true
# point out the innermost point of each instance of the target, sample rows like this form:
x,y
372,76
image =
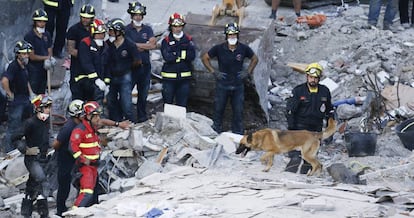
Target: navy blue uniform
x,y
91,67
20,108
37,74
76,33
176,71
231,87
58,12
65,164
141,76
231,62
119,66
307,110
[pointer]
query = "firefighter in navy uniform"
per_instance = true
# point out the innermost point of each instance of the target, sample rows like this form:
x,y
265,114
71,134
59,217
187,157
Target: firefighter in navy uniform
x,y
35,147
64,158
84,144
41,58
309,105
144,39
92,53
59,14
178,52
15,83
123,58
74,36
230,77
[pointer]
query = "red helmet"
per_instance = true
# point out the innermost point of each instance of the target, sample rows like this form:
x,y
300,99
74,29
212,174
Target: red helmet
x,y
92,107
97,26
176,19
41,101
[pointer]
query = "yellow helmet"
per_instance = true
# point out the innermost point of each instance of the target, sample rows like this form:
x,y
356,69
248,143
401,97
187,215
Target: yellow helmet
x,y
314,70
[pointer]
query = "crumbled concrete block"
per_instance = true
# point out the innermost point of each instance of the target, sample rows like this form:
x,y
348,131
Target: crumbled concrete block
x,y
15,169
228,144
175,111
123,153
122,135
332,85
136,140
148,168
383,76
128,184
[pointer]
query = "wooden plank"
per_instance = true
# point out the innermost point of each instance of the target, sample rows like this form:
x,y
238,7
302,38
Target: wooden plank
x,y
299,67
162,155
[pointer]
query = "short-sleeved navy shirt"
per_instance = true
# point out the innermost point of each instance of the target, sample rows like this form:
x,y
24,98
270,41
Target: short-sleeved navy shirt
x,y
18,81
121,58
76,33
141,36
230,62
40,45
64,137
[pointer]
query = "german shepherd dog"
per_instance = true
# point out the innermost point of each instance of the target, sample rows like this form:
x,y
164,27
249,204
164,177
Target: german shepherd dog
x,y
274,141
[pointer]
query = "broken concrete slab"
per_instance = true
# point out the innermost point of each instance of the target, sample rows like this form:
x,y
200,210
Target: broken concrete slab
x,y
148,168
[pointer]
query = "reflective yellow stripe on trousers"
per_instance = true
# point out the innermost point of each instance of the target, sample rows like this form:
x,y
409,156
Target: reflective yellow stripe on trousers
x,y
174,75
90,76
86,190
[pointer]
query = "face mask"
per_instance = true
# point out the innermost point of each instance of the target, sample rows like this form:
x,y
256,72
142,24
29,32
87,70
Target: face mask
x,y
178,35
40,30
99,42
43,116
25,61
137,23
232,41
112,38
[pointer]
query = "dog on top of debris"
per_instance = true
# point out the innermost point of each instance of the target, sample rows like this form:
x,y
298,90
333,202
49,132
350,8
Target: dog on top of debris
x,y
275,141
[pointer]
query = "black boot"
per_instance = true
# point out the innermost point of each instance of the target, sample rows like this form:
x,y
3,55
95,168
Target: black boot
x,y
42,208
305,167
294,162
27,207
273,14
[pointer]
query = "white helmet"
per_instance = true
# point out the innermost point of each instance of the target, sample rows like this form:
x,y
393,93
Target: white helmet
x,y
75,108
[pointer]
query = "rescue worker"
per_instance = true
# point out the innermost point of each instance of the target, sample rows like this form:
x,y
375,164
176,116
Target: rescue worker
x,y
309,105
123,56
178,52
35,148
84,144
75,34
230,76
144,39
65,159
59,14
15,83
88,83
41,58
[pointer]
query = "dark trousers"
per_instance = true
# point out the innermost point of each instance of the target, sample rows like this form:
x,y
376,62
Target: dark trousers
x,y
86,90
142,78
119,98
403,6
236,96
38,79
58,18
176,89
65,165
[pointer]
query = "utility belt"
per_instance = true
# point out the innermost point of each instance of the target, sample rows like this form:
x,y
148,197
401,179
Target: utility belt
x,y
175,75
89,76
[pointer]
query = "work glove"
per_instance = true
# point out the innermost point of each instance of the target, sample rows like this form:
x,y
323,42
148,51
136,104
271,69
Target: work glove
x,y
242,74
10,97
32,151
106,90
219,75
101,84
21,146
49,63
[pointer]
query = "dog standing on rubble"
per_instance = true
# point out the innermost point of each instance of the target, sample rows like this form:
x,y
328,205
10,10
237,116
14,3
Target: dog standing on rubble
x,y
274,141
